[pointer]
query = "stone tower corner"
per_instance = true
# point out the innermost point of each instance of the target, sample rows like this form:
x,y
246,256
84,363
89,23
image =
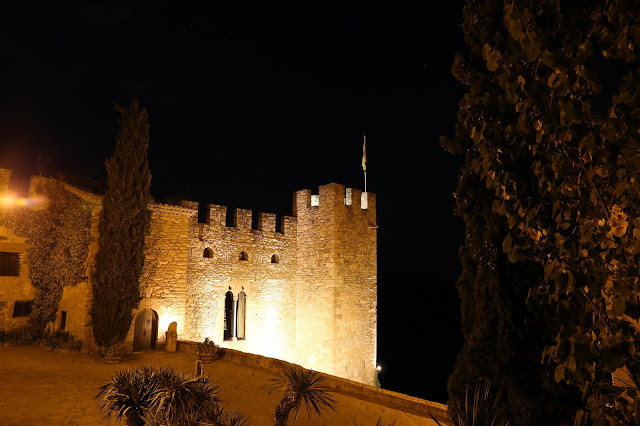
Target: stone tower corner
x,y
336,281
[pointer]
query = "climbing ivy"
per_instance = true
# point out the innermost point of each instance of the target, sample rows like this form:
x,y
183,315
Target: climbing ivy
x,y
59,233
561,165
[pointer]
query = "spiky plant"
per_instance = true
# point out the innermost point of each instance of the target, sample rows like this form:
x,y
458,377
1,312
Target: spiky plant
x,y
236,418
128,395
300,386
483,408
181,396
161,396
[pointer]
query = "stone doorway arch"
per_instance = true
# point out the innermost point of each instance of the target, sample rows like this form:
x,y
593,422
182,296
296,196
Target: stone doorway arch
x,y
146,330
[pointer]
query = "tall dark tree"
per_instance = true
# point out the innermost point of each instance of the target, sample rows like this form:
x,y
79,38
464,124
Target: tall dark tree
x,y
504,337
124,224
551,185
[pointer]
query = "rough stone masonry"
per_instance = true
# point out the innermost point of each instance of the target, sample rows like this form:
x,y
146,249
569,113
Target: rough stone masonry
x,y
306,293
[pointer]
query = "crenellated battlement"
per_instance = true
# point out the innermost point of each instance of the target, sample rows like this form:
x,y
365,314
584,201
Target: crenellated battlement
x,y
242,219
335,197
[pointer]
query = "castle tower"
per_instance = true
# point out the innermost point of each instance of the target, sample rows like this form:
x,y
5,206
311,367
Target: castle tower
x,y
336,282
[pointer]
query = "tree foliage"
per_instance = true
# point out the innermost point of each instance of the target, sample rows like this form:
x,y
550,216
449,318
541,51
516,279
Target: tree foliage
x,y
59,234
554,141
124,224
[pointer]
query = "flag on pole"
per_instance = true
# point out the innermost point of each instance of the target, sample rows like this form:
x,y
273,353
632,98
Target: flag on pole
x,y
364,154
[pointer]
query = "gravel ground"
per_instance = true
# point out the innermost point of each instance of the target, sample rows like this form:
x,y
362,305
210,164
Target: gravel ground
x,y
43,387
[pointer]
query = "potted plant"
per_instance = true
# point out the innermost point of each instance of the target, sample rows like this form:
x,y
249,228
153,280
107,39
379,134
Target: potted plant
x,y
113,354
208,351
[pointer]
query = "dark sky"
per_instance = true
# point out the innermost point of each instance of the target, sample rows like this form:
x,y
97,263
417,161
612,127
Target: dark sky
x,y
249,103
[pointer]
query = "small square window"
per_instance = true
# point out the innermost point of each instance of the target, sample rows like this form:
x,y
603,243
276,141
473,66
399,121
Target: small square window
x,y
9,264
22,309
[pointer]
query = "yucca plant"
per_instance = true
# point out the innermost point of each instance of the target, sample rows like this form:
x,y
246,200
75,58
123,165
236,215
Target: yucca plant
x,y
183,396
129,395
161,396
483,408
300,386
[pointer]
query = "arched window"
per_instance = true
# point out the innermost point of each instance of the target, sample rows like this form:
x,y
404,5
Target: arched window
x,y
243,256
275,259
229,317
235,314
208,253
241,315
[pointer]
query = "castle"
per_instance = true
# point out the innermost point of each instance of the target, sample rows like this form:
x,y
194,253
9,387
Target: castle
x,y
305,293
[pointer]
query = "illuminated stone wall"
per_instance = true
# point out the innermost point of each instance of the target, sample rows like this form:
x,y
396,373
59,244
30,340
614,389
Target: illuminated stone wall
x,y
269,287
163,284
336,282
310,289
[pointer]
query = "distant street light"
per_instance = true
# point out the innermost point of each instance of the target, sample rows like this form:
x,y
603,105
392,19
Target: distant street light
x,y
9,200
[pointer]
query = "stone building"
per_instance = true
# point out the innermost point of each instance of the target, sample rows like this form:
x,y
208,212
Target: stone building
x,y
305,293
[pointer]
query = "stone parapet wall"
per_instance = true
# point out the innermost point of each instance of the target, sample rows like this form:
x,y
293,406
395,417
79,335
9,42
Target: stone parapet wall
x,y
391,399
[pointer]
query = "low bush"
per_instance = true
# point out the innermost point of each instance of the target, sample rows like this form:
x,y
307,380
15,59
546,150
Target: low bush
x,y
208,347
117,350
162,396
21,336
60,340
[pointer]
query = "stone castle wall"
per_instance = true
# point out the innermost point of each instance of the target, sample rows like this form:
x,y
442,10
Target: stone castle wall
x,y
163,285
310,289
269,287
336,281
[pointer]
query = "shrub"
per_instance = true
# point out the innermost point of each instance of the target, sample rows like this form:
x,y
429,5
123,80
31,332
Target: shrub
x,y
22,336
482,408
60,340
162,396
300,386
117,350
208,347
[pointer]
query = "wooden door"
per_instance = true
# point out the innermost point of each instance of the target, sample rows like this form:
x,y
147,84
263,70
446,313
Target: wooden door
x,y
146,330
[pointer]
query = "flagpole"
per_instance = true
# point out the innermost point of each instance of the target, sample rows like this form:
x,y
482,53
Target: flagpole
x,y
364,161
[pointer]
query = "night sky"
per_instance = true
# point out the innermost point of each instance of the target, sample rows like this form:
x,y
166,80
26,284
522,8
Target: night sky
x,y
249,103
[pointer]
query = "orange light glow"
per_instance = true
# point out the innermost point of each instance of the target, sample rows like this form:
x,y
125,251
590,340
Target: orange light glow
x,y
8,200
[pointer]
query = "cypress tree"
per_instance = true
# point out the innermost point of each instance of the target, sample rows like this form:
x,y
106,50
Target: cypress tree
x,y
124,224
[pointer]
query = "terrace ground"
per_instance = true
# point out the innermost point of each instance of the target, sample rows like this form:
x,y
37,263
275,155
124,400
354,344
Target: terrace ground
x,y
39,386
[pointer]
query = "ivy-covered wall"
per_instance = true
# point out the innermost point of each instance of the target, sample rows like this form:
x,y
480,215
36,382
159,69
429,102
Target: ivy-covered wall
x,y
50,230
